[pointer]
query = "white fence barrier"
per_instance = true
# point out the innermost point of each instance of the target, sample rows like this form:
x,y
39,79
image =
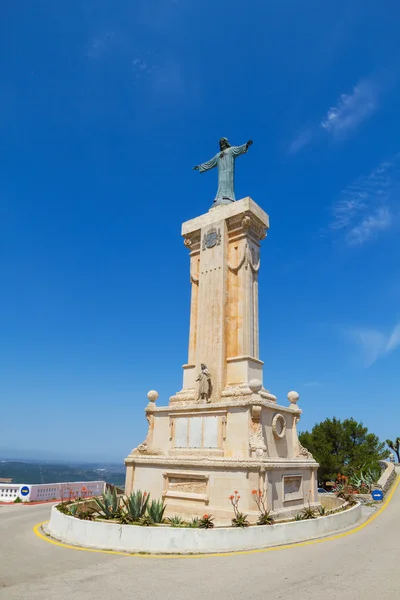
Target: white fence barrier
x,y
51,491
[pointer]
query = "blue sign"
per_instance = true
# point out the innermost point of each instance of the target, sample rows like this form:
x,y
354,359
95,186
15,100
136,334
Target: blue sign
x,y
24,491
377,494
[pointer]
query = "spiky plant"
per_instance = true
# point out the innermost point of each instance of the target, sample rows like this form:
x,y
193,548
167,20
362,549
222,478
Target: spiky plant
x,y
108,504
136,504
308,513
175,521
322,511
73,510
156,510
265,518
206,522
240,520
298,517
194,523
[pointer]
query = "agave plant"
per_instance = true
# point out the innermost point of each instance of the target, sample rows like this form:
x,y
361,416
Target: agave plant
x,y
156,510
322,511
136,504
298,517
195,523
109,504
73,510
175,521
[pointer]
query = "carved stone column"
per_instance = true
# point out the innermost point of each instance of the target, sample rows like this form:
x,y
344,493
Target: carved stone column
x,y
224,249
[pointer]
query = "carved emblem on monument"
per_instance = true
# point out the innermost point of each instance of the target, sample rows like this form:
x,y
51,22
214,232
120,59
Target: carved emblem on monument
x,y
212,238
279,426
257,446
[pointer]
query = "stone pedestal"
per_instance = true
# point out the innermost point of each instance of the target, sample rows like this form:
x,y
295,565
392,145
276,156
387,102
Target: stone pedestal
x,y
204,446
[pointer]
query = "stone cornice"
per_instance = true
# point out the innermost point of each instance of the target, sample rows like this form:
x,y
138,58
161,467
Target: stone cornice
x,y
227,211
224,463
223,404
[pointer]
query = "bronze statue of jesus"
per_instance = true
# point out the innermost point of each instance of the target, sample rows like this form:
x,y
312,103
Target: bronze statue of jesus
x,y
225,161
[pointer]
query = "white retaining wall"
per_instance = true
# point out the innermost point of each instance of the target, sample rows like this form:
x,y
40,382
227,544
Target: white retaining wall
x,y
387,477
174,540
50,491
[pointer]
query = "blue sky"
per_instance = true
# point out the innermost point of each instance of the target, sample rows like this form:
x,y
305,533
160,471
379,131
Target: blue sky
x,y
105,108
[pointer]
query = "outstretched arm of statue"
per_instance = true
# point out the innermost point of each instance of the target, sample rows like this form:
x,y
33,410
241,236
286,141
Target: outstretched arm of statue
x,y
210,164
237,150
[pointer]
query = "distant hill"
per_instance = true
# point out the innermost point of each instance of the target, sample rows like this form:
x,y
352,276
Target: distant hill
x,y
26,472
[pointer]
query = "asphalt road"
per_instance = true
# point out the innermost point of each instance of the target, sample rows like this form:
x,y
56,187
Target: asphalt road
x,y
363,565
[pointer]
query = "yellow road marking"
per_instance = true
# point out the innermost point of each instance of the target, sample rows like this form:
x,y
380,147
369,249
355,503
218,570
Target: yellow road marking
x,y
48,539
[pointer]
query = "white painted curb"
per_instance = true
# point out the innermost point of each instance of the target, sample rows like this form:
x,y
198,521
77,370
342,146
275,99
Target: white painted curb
x,y
174,540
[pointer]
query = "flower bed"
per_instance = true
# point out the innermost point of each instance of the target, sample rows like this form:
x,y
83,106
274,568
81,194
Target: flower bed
x,y
185,540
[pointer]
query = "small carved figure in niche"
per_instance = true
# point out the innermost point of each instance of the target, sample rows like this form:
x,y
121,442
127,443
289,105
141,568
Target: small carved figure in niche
x,y
205,385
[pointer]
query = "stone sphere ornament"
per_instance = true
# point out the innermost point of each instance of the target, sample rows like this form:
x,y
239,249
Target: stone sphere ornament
x,y
293,398
255,385
152,395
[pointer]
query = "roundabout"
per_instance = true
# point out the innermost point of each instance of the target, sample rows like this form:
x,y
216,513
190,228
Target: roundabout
x,y
360,562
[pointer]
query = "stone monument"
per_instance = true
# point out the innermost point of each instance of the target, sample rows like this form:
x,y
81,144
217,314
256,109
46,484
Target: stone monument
x,y
223,431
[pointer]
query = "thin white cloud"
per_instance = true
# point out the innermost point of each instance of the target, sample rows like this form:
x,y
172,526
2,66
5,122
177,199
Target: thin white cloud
x,y
373,343
378,221
394,340
352,109
300,141
346,115
368,206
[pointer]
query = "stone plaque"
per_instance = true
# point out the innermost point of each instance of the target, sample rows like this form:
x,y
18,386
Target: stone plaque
x,y
181,430
210,435
292,487
195,432
191,486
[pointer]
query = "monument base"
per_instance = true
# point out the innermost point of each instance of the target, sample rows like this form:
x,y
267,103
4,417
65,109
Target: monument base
x,y
196,455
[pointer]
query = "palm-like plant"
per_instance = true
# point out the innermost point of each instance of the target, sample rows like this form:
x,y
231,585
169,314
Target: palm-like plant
x,y
395,446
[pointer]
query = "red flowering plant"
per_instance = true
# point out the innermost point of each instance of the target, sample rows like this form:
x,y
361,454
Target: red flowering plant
x,y
239,520
260,498
206,522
